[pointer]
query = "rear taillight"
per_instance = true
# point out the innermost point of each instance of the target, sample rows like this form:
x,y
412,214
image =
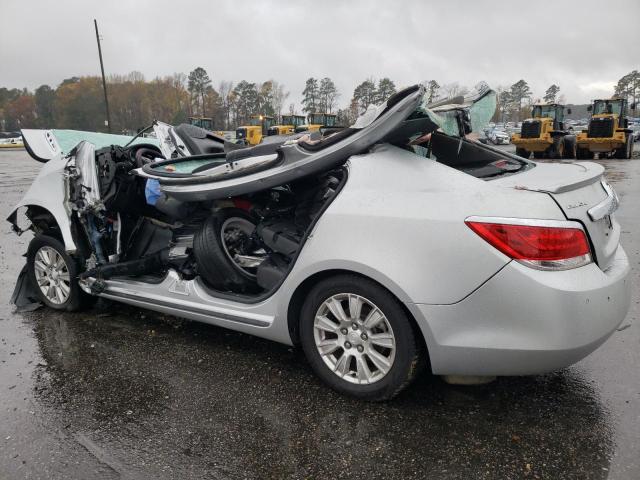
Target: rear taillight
x,y
541,244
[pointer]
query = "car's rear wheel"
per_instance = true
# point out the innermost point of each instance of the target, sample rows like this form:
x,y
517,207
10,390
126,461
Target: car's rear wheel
x,y
358,339
223,248
54,274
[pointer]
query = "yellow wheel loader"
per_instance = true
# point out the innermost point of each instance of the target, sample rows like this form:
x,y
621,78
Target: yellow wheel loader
x,y
288,125
316,121
544,134
252,134
608,133
202,122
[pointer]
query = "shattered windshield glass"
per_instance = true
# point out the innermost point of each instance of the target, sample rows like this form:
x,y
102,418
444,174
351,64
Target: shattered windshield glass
x,y
459,119
456,116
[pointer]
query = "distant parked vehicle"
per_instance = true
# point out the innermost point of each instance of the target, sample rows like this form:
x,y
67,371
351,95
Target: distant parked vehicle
x,y
544,134
497,136
608,133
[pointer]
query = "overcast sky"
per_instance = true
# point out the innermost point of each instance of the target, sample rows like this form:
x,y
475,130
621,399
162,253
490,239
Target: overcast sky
x,y
584,46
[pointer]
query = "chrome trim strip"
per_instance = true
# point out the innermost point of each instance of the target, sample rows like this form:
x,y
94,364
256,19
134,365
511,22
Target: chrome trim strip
x,y
192,301
181,309
532,222
607,206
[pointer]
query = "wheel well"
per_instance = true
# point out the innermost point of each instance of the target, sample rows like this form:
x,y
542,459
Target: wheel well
x,y
44,222
301,292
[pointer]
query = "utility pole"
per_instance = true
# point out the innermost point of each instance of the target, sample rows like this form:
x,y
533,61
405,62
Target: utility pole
x,y
104,82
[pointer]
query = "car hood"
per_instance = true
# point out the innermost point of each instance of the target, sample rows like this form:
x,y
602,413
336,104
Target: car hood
x,y
43,145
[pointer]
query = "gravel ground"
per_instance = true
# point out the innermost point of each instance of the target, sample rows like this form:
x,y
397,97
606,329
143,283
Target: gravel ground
x,y
117,392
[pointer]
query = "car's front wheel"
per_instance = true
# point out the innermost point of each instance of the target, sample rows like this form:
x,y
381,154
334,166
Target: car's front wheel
x,y
358,339
54,273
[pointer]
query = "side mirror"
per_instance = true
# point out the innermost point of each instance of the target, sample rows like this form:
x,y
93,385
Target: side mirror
x,y
568,111
589,108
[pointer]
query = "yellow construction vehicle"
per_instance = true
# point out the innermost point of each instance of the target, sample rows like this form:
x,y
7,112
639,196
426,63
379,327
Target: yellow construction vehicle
x,y
252,134
202,122
608,132
288,125
544,134
316,121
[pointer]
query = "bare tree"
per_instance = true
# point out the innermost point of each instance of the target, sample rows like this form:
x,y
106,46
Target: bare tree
x,y
225,88
453,89
279,96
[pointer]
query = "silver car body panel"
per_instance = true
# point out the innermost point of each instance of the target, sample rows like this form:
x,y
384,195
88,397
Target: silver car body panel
x,y
562,318
578,188
479,312
48,191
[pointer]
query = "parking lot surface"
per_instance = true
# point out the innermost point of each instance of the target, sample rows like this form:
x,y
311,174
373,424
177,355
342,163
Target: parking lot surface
x,y
117,392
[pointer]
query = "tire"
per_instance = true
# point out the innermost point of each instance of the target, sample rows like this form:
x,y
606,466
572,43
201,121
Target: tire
x,y
538,155
50,268
570,147
521,152
584,154
214,264
625,152
403,360
557,149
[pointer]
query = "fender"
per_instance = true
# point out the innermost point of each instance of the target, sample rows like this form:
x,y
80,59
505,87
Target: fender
x,y
48,192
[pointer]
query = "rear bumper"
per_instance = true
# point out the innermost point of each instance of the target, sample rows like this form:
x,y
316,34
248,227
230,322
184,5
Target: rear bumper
x,y
524,321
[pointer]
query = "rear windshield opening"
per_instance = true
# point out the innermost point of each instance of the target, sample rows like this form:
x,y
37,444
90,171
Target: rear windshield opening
x,y
472,157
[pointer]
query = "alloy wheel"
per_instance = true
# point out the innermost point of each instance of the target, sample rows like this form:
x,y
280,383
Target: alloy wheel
x,y
52,275
354,338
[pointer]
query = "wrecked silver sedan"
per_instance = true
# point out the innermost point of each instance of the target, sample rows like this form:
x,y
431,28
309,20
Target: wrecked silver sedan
x,y
397,243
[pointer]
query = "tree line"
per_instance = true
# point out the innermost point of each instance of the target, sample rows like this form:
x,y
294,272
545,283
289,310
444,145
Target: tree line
x,y
78,103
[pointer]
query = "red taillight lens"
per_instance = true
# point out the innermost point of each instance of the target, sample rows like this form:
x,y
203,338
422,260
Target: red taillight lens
x,y
543,246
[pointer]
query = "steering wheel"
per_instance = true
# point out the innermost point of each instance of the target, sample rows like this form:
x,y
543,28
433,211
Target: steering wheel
x,y
145,156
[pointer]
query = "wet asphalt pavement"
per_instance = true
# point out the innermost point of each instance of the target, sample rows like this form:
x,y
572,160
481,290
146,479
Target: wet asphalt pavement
x,y
117,392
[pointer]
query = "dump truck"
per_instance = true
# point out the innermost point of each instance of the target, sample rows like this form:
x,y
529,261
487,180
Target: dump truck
x,y
288,125
258,127
608,132
316,121
544,134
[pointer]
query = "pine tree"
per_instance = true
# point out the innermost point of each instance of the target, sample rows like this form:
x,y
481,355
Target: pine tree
x,y
310,96
197,83
551,93
386,88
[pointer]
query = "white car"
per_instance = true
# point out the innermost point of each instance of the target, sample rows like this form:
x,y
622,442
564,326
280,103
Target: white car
x,y
498,137
391,245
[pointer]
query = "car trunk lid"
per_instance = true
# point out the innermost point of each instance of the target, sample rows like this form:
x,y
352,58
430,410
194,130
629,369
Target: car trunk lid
x,y
583,194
